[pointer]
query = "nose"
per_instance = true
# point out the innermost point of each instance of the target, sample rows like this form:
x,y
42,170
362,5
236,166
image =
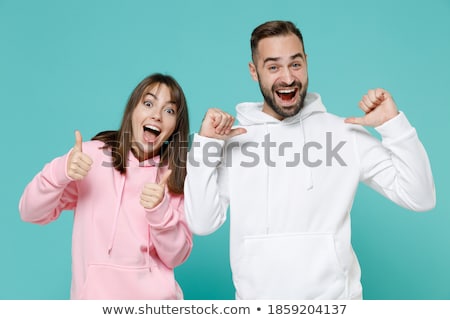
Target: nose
x,y
156,114
287,77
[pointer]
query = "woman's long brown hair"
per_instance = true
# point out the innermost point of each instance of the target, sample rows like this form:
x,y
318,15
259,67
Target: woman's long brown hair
x,y
173,153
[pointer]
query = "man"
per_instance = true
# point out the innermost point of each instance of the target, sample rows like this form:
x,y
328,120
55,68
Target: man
x,y
289,173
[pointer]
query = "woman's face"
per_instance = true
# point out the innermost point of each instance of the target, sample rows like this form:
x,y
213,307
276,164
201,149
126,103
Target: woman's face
x,y
153,121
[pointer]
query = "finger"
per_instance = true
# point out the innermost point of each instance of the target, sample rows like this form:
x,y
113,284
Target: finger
x,y
149,197
83,164
77,173
375,97
223,124
151,188
372,98
236,131
77,176
147,204
165,177
78,141
229,125
82,172
216,117
150,201
356,120
380,95
364,105
81,160
86,159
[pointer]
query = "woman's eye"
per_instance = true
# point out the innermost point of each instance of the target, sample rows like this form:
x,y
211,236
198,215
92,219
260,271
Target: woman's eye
x,y
148,103
170,111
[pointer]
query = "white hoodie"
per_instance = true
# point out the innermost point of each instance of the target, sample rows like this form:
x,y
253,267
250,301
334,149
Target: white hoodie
x,y
290,185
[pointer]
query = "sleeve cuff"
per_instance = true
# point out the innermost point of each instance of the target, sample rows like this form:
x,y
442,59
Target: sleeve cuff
x,y
158,215
395,128
59,172
205,151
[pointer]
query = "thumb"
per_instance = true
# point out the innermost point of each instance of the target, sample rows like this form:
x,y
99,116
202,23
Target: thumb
x,y
165,177
354,120
236,131
78,141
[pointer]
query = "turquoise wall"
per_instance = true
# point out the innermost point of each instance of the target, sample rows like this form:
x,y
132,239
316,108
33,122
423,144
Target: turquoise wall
x,y
67,65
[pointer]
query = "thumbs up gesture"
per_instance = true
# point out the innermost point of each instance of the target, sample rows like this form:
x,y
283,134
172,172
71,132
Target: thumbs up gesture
x,y
153,193
78,163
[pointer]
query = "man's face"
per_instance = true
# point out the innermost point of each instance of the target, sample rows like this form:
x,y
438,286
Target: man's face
x,y
280,68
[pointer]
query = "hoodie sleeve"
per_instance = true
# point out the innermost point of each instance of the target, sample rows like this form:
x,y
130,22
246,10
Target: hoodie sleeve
x,y
169,233
398,167
206,199
49,193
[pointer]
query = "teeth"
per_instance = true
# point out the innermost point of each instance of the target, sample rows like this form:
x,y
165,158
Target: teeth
x,y
286,91
152,128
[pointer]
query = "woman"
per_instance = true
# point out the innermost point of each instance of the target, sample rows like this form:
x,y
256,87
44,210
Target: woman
x,y
126,190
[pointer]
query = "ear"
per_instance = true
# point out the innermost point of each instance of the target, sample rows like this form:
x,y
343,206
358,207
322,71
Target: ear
x,y
252,69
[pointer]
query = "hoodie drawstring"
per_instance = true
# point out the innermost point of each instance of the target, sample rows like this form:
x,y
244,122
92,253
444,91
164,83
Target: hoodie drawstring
x,y
116,214
309,175
266,127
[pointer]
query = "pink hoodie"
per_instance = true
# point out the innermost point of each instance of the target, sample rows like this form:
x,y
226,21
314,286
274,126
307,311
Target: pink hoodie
x,y
119,249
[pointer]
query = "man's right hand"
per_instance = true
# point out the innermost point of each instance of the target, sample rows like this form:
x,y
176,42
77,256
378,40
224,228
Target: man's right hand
x,y
218,124
79,163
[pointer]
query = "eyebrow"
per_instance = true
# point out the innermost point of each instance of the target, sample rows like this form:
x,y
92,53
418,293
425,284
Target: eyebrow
x,y
156,98
151,95
273,59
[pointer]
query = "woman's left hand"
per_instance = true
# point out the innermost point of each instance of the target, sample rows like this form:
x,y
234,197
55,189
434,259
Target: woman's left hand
x,y
153,193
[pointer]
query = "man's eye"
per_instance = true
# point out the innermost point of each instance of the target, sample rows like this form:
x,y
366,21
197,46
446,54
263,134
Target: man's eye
x,y
273,68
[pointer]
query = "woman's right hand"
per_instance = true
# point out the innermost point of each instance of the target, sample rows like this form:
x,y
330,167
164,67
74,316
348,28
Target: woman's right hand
x,y
78,163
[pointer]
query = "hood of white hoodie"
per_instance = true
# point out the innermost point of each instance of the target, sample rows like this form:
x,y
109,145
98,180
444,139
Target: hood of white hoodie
x,y
250,113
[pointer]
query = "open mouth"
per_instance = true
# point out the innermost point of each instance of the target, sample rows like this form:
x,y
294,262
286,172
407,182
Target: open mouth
x,y
151,133
286,94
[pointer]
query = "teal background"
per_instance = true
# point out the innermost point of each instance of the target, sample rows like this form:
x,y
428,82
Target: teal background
x,y
67,65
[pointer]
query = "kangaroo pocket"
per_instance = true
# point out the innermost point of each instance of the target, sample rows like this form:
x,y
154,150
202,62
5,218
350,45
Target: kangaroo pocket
x,y
294,266
110,282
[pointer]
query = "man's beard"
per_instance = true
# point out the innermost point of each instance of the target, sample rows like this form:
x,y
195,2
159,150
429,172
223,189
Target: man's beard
x,y
269,98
